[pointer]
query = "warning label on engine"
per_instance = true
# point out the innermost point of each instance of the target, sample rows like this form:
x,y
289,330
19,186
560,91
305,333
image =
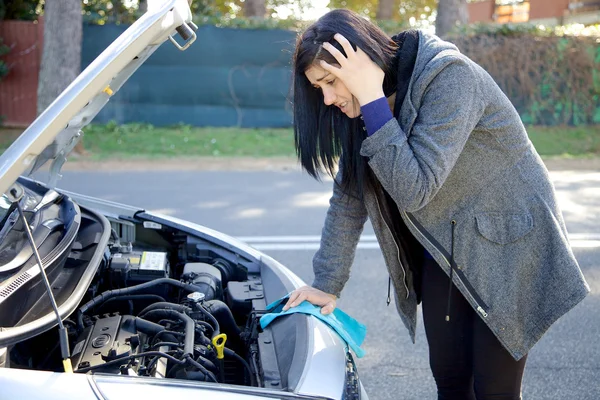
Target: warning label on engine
x,y
155,261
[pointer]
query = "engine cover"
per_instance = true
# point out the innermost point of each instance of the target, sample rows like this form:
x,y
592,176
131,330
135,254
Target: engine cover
x,y
109,338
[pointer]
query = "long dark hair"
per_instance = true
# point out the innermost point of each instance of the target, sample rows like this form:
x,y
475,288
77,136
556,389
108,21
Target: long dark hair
x,y
323,133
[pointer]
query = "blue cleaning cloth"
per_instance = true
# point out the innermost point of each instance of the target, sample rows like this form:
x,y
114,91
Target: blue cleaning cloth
x,y
350,330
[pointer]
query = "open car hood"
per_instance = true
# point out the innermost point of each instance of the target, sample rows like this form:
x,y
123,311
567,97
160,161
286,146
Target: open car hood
x,y
58,129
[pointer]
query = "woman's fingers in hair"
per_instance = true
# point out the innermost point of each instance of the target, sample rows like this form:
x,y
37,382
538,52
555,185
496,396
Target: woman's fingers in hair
x,y
361,76
339,57
345,44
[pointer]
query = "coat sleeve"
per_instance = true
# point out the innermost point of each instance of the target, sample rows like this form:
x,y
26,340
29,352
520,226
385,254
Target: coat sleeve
x,y
341,232
412,168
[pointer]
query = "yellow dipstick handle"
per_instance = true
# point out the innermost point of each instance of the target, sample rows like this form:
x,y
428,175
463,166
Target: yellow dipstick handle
x,y
108,91
67,366
219,343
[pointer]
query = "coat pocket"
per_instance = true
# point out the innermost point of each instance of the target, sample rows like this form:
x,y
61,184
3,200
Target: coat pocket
x,y
504,228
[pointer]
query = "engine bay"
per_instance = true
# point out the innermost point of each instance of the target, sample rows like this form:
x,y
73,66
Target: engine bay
x,y
161,303
153,325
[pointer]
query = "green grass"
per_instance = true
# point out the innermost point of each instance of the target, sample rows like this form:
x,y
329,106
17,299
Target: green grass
x,y
566,141
137,140
145,141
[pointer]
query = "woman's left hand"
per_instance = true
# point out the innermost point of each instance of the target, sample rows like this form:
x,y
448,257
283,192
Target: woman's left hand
x,y
362,77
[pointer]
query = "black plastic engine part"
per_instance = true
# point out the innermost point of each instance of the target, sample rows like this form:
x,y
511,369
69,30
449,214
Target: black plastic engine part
x,y
205,276
108,339
241,294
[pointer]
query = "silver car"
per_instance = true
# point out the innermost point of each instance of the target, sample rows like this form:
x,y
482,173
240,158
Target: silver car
x,y
143,305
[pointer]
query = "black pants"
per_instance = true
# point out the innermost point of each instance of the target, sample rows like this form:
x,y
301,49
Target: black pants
x,y
467,360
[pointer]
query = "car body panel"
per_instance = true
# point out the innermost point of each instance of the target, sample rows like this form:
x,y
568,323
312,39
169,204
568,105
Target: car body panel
x,y
45,385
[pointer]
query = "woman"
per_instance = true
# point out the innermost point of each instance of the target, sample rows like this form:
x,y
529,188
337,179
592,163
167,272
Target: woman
x,y
461,203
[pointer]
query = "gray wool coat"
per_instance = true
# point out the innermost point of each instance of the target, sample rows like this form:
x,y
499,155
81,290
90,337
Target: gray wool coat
x,y
459,152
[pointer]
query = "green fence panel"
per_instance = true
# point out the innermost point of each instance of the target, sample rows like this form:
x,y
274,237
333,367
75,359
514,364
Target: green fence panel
x,y
228,77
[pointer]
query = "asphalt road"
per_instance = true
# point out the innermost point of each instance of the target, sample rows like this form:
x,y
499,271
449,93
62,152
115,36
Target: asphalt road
x,y
282,212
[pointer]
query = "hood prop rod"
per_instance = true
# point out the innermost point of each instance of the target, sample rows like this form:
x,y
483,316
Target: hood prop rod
x,y
17,195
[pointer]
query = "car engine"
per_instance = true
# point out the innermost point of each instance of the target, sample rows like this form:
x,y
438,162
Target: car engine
x,y
195,319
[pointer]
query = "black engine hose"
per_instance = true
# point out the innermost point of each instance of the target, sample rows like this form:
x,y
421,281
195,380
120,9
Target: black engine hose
x,y
188,347
153,297
204,311
172,373
170,344
201,338
168,335
206,363
187,373
196,364
148,327
165,306
131,290
223,314
206,325
169,323
227,322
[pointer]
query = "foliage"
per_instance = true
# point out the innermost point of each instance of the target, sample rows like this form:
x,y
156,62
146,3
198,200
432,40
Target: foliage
x,y
101,12
213,12
227,12
27,10
549,74
392,27
511,30
252,23
406,9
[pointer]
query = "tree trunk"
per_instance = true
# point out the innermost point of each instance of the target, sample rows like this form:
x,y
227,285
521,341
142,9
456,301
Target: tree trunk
x,y
143,6
255,8
117,11
61,57
449,14
385,10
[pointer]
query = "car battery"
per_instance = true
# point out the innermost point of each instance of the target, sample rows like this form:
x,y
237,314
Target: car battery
x,y
137,267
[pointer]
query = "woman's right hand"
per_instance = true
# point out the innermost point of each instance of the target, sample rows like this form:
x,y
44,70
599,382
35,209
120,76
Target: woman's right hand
x,y
313,296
